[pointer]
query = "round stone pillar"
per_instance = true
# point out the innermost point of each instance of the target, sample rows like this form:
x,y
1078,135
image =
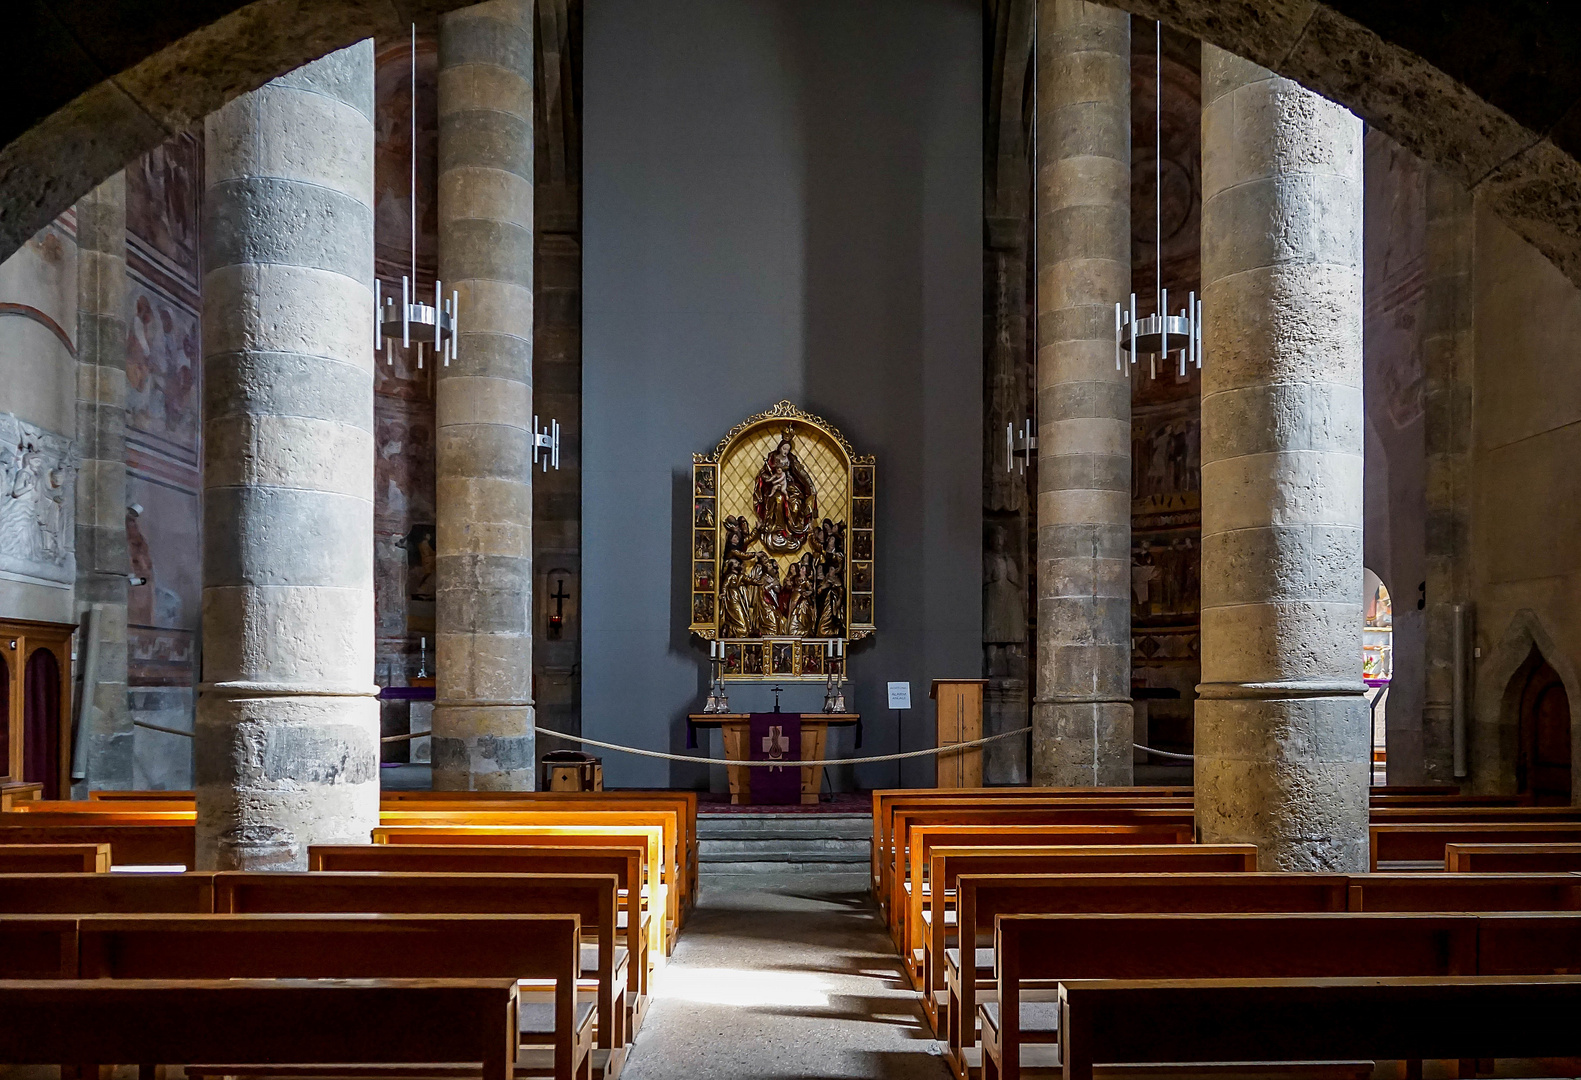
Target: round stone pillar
x,y
287,735
103,566
1282,756
1081,713
483,712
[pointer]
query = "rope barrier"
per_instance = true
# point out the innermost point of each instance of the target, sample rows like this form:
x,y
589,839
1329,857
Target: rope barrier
x,y
946,749
161,727
1165,753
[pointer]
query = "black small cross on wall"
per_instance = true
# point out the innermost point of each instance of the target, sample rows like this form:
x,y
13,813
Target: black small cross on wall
x,y
559,596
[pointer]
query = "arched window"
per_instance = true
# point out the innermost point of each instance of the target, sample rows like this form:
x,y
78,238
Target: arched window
x,y
1542,758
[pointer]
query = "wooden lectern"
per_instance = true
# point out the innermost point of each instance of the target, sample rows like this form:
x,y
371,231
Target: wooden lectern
x,y
960,719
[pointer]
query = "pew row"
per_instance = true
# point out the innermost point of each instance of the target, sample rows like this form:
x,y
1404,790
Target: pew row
x,y
1463,1018
1422,845
947,862
589,896
540,948
54,858
626,864
1512,858
144,1022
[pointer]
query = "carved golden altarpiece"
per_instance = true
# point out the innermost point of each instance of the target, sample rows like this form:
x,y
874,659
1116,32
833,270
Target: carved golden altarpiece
x,y
782,545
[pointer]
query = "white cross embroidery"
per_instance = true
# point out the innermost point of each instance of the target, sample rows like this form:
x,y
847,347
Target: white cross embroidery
x,y
776,746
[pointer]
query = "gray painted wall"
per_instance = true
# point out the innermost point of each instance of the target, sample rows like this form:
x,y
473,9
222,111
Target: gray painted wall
x,y
782,199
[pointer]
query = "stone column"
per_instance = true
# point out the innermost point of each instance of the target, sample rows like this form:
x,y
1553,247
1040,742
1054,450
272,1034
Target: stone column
x,y
102,563
1081,714
1448,349
483,710
287,750
1282,755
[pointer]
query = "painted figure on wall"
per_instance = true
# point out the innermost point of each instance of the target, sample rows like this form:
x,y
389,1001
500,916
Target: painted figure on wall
x,y
784,498
36,518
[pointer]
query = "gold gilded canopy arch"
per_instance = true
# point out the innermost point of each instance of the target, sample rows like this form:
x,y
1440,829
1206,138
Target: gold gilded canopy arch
x,y
782,544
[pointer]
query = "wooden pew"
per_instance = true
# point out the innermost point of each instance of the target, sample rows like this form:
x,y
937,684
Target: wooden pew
x,y
38,947
362,946
1528,943
625,863
917,888
135,842
1422,845
1141,826
1284,1020
1512,858
686,801
591,836
887,802
147,795
981,898
54,858
88,893
326,1022
664,863
1464,892
589,896
947,862
1453,814
1059,948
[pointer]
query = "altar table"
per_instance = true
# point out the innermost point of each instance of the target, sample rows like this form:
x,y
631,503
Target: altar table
x,y
814,738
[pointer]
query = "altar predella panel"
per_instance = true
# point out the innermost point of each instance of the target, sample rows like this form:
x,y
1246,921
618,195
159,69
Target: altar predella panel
x,y
782,545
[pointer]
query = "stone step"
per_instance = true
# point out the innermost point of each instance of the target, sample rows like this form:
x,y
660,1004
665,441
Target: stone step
x,y
816,848
747,826
740,871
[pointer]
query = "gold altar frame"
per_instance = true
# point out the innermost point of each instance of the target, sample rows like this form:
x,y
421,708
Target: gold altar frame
x,y
722,487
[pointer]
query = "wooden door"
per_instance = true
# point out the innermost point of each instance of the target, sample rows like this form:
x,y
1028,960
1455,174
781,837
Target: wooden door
x,y
1543,764
35,703
959,719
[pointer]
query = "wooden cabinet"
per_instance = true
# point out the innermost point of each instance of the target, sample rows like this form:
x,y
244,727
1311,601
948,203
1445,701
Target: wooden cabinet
x,y
35,704
960,719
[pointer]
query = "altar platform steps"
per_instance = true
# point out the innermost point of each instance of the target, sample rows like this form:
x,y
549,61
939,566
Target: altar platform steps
x,y
764,842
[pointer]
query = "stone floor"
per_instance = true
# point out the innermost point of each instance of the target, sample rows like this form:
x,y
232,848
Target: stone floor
x,y
784,977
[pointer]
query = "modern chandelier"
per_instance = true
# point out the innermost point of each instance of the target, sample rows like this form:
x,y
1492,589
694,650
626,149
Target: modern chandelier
x,y
413,322
1160,334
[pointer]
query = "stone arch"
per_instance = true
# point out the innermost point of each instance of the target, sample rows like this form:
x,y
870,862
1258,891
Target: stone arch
x,y
1492,749
109,80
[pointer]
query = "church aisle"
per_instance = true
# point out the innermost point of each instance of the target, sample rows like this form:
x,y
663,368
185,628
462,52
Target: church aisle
x,y
784,976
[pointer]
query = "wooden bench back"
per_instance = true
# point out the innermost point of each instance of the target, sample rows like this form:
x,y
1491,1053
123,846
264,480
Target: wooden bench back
x,y
89,893
1425,842
948,862
38,947
1512,858
54,858
1465,892
1287,1020
132,843
682,803
386,1021
1452,815
348,946
1220,946
625,863
591,836
1167,820
886,803
923,838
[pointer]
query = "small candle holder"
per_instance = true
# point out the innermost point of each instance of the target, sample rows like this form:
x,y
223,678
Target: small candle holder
x,y
717,701
834,694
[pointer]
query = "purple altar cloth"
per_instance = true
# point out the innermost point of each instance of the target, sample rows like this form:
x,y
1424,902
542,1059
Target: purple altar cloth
x,y
770,736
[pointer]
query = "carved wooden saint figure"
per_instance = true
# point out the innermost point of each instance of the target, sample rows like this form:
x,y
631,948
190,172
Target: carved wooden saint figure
x,y
784,498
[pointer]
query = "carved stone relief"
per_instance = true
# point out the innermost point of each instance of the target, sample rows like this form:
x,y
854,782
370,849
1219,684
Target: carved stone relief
x,y
38,493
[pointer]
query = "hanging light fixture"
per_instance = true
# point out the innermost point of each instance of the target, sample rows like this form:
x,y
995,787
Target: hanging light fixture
x,y
413,322
1160,334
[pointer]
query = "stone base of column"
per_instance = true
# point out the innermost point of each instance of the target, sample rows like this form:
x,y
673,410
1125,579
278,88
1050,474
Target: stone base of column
x,y
276,774
484,748
1290,775
1081,744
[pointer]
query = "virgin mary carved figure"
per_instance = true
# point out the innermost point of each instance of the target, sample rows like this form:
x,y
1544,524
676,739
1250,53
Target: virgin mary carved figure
x,y
784,498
